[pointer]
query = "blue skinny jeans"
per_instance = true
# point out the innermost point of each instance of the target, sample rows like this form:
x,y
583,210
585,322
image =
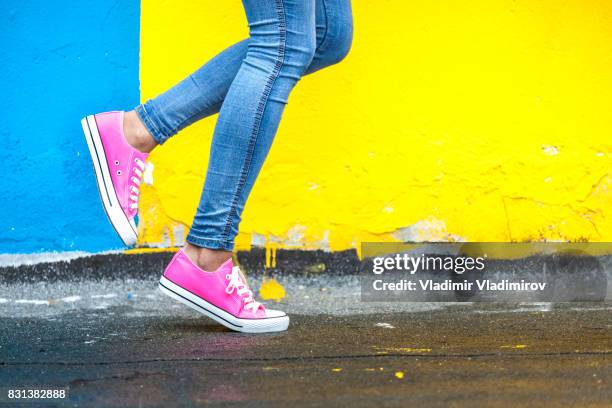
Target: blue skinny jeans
x,y
248,84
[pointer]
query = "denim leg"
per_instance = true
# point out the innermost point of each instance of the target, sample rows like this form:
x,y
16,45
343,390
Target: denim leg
x,y
334,20
281,47
202,93
195,97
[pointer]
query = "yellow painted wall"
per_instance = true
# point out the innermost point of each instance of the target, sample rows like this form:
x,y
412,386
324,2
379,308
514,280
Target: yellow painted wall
x,y
483,120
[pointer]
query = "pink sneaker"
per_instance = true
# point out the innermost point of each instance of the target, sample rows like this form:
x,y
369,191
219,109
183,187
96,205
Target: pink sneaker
x,y
118,167
221,295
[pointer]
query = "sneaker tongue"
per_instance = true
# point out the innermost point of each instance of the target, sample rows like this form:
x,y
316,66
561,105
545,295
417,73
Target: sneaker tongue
x,y
243,277
142,156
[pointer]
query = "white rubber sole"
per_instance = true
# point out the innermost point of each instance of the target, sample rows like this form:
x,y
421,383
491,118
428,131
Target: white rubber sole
x,y
126,230
266,325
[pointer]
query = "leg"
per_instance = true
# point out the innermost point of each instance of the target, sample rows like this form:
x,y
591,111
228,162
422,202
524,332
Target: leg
x,y
202,93
334,33
197,96
281,47
202,276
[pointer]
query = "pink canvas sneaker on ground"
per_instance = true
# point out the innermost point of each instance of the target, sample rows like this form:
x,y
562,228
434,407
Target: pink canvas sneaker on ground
x,y
221,295
118,167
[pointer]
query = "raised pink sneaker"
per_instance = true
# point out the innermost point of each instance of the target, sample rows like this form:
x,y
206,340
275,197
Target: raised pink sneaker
x,y
221,295
118,167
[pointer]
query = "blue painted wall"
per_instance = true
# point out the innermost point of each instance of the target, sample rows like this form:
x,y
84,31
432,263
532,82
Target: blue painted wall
x,y
59,61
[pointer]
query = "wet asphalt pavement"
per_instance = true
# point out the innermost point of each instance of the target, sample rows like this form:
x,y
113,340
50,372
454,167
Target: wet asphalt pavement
x,y
455,356
122,343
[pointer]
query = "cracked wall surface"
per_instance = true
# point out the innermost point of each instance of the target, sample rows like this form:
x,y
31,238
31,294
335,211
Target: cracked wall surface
x,y
480,121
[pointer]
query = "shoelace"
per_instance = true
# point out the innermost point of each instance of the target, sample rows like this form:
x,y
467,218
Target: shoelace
x,y
135,179
236,283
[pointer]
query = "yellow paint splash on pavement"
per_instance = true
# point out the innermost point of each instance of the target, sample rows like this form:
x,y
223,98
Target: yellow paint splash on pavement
x,y
385,350
270,369
271,290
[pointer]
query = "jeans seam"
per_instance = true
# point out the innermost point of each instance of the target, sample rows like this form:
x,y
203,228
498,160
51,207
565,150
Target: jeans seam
x,y
155,132
206,238
280,60
209,242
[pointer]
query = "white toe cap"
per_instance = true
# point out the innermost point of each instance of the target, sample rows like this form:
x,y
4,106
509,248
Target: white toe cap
x,y
275,313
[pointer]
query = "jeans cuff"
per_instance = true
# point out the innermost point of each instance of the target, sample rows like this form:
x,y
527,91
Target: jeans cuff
x,y
147,116
210,243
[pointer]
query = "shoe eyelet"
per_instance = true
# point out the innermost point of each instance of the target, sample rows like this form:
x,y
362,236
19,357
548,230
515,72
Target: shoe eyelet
x,y
227,276
118,172
116,162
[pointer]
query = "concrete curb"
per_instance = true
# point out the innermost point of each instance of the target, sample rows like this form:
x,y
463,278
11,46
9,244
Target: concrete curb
x,y
151,266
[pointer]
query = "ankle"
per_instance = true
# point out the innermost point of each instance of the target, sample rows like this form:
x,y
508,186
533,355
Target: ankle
x,y
207,259
136,134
